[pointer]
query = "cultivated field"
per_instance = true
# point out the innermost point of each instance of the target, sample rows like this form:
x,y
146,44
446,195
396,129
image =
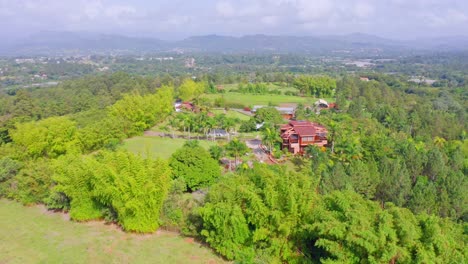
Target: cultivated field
x,y
35,235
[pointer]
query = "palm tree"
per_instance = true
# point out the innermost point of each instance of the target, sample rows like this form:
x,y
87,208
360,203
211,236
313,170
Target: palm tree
x,y
235,148
270,137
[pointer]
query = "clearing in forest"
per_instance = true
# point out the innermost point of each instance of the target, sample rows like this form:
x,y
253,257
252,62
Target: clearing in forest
x,y
35,235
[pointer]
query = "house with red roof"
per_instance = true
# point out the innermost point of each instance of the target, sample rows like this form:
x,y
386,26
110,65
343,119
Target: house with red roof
x,y
297,135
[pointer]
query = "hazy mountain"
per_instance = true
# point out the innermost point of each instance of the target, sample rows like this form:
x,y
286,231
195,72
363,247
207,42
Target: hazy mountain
x,y
46,43
68,42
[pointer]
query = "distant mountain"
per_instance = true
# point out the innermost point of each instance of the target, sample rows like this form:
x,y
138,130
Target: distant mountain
x,y
44,43
59,43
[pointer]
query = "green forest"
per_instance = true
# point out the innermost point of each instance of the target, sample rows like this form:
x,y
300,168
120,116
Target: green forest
x,y
390,186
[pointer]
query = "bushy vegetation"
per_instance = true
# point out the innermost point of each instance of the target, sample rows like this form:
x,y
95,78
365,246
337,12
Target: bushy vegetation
x,y
193,165
127,186
390,187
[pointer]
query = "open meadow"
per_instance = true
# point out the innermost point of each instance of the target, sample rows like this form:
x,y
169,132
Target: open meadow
x,y
264,99
158,147
35,235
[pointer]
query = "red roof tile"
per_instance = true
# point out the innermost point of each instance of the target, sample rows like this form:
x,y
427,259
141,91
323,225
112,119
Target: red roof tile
x,y
305,131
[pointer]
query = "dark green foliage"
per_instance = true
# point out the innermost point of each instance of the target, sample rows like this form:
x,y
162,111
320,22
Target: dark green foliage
x,y
33,183
318,86
348,229
194,165
180,209
216,152
9,168
269,115
258,212
235,148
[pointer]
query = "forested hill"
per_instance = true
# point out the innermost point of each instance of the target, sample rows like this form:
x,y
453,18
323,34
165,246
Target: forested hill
x,y
53,43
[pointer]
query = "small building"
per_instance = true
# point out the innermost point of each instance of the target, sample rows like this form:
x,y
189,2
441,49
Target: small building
x,y
183,106
297,135
364,79
321,104
218,133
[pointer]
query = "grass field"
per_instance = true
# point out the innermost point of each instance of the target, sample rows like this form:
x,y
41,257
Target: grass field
x,y
35,235
158,147
232,114
250,100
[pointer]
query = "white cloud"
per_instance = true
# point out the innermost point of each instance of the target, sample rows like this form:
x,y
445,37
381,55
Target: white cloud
x,y
309,11
238,17
363,9
225,9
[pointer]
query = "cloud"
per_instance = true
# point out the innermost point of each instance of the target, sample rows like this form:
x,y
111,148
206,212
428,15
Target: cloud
x,y
237,17
225,9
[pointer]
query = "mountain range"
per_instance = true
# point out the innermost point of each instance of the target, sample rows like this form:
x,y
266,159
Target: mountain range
x,y
72,43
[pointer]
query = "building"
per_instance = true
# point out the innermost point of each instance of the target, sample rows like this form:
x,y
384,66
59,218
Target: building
x,y
218,133
184,106
297,135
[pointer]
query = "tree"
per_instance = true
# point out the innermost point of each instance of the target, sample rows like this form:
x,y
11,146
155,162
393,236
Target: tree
x,y
190,89
235,148
345,228
49,137
216,152
258,212
270,138
194,165
129,188
268,115
133,187
318,86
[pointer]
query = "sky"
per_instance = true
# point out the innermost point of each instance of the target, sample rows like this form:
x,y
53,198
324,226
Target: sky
x,y
176,19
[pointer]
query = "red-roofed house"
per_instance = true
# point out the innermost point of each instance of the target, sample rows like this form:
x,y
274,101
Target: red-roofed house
x,y
297,135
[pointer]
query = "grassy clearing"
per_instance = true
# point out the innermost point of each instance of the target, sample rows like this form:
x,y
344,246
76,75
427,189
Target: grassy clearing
x,y
34,235
158,147
271,86
231,114
250,100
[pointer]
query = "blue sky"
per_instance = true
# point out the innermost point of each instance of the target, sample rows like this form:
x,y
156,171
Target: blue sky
x,y
181,18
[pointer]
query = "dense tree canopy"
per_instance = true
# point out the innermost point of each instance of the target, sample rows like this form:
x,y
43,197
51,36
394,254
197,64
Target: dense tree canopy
x,y
194,165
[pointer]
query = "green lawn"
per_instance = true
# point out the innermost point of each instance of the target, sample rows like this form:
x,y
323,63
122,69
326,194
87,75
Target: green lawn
x,y
231,114
158,147
250,100
34,235
271,86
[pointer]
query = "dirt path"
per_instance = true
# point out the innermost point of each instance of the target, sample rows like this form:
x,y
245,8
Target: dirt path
x,y
255,145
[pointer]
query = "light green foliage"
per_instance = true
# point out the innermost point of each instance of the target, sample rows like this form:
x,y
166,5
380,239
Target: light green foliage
x,y
194,165
134,187
138,113
131,186
319,86
190,89
73,177
259,211
50,137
